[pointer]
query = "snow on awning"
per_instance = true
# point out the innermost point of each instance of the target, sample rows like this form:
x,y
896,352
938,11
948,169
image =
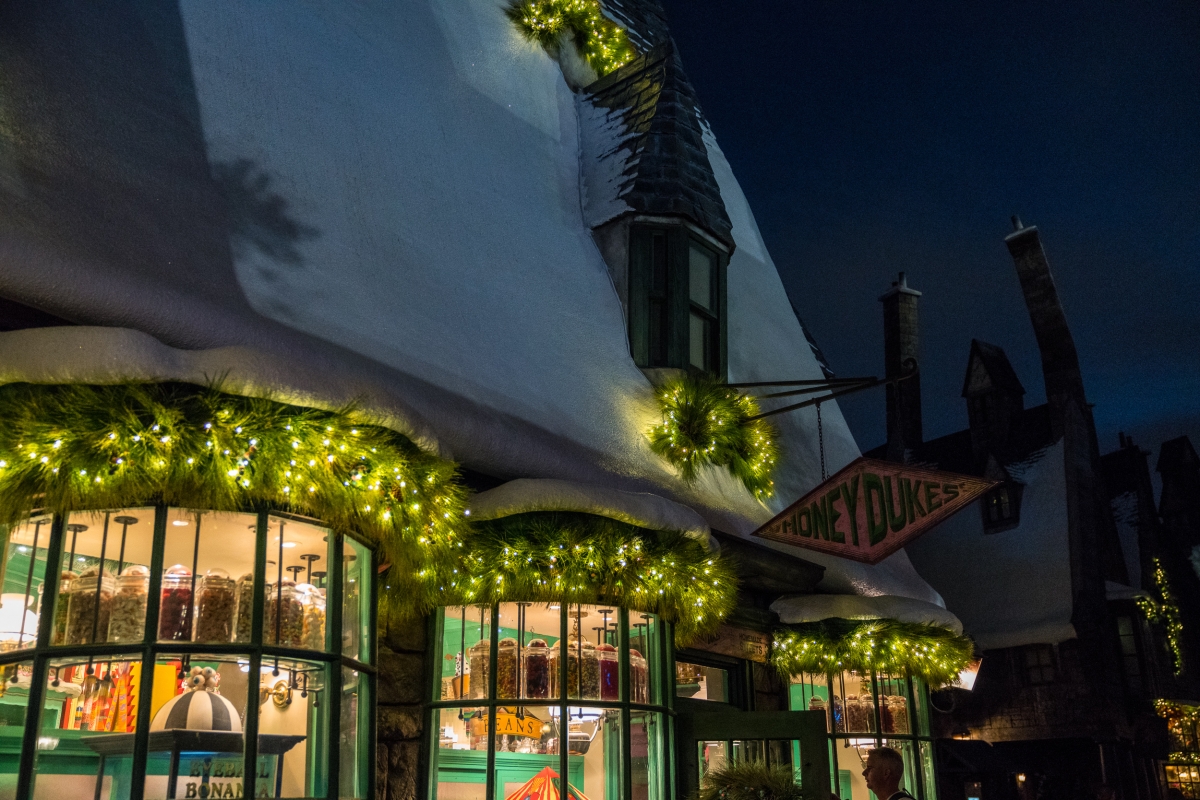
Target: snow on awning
x,y
642,509
816,607
1119,591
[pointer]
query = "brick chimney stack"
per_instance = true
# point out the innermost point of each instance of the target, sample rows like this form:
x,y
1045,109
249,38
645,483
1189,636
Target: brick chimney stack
x,y
901,342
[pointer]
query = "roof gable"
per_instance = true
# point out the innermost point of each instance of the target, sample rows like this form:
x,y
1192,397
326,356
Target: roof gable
x,y
988,369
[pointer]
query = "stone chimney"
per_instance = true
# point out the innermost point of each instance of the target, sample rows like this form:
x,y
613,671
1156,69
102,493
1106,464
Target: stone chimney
x,y
1060,362
901,343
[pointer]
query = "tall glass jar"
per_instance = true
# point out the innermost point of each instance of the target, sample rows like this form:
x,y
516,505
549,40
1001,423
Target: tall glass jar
x,y
609,672
66,586
175,611
284,623
90,607
479,653
572,655
639,678
506,669
591,671
215,607
245,607
312,600
898,711
537,670
128,620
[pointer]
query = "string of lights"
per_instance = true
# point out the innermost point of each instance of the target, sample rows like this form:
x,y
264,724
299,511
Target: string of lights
x,y
600,41
1164,611
706,422
933,653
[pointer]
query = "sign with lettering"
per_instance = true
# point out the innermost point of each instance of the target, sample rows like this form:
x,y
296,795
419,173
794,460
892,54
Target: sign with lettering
x,y
509,724
870,509
738,642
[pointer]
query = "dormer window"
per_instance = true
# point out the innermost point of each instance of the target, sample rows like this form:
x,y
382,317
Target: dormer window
x,y
1002,508
676,299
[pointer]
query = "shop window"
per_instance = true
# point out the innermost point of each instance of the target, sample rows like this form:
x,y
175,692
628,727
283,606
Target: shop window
x,y
1130,656
1039,664
166,671
517,703
1002,508
866,711
677,300
700,682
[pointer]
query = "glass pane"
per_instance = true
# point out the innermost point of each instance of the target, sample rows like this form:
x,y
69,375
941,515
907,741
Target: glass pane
x,y
86,704
712,756
356,589
86,600
355,716
928,772
593,660
811,693
528,639
701,266
648,762
14,700
594,752
293,727
295,610
701,683
698,341
24,571
645,658
204,553
466,643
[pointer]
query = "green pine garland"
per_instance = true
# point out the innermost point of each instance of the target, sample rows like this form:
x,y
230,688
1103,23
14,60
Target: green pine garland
x,y
751,780
600,41
581,558
1164,611
935,654
706,422
71,447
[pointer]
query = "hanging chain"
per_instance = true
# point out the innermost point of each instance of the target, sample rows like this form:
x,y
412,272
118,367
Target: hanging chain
x,y
821,441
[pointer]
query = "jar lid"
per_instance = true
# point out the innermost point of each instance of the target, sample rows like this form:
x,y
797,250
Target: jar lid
x,y
606,648
178,571
67,575
633,652
217,572
587,645
135,570
248,578
537,643
508,641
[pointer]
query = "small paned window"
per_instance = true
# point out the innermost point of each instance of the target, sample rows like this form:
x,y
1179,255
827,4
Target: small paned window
x,y
677,300
1039,664
1001,508
1130,659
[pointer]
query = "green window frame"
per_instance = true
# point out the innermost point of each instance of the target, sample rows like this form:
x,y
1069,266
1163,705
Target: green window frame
x,y
677,299
334,663
656,638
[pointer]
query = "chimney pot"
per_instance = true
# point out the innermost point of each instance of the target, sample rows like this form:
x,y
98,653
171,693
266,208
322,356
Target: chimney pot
x,y
1016,223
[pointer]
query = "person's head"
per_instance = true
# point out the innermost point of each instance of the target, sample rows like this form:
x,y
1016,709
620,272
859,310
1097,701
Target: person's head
x,y
883,771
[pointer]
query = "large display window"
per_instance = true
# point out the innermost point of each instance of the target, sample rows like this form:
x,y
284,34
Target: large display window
x,y
864,711
530,692
182,653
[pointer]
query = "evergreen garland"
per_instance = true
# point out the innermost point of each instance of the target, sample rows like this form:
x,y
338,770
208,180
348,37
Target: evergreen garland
x,y
933,653
751,780
581,558
1164,611
604,45
706,422
1183,727
71,447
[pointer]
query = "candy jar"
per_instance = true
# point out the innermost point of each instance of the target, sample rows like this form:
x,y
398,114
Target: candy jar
x,y
479,654
90,607
175,612
609,672
245,606
66,586
506,669
591,671
215,607
284,623
572,656
537,670
639,678
313,601
898,707
127,622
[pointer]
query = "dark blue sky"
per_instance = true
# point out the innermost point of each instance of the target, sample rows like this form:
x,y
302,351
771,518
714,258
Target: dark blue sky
x,y
876,137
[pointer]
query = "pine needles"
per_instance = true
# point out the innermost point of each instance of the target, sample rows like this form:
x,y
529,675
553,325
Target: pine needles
x,y
599,40
751,780
706,422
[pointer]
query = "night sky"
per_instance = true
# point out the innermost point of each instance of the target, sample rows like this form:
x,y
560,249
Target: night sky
x,y
877,137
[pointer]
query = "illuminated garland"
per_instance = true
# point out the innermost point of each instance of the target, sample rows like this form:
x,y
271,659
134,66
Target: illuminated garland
x,y
935,654
751,780
69,447
1183,724
601,42
580,558
706,422
1164,611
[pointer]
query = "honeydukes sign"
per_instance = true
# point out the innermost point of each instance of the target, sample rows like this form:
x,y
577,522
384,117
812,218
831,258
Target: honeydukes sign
x,y
870,509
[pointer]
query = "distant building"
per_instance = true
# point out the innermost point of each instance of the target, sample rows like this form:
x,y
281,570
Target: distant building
x,y
1049,574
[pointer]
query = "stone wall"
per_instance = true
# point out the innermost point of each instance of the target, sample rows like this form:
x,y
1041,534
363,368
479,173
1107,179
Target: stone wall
x,y
402,686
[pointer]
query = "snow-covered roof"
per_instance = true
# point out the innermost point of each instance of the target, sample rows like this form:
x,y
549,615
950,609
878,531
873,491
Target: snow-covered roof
x,y
378,202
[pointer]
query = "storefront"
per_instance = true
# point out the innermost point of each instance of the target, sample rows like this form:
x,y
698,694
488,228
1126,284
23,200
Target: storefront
x,y
1183,764
171,676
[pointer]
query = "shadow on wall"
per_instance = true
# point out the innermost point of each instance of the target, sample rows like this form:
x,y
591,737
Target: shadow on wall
x,y
259,217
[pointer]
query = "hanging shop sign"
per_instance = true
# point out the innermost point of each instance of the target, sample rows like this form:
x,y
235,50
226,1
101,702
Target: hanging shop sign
x,y
509,724
870,509
729,640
